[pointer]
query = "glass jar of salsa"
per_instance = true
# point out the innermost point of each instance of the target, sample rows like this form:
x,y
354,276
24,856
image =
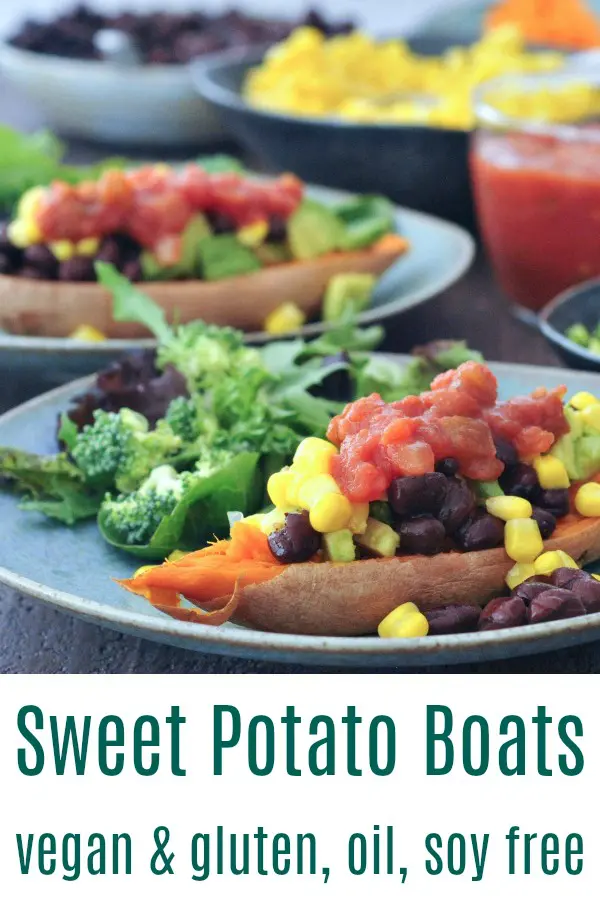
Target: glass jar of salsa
x,y
535,165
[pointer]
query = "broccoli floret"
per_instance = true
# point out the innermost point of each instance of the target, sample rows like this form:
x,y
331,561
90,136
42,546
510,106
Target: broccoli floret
x,y
101,448
119,449
204,353
189,419
133,518
211,459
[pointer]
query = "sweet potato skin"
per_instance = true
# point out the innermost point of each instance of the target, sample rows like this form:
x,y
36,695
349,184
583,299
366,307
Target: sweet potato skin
x,y
352,598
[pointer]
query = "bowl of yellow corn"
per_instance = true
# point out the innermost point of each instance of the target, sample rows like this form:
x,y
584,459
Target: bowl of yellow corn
x,y
364,114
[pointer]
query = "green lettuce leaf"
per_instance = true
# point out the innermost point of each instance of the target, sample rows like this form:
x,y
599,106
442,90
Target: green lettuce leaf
x,y
131,304
54,485
201,513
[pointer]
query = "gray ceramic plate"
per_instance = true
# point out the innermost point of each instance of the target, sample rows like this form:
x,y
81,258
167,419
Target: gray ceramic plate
x,y
440,253
71,569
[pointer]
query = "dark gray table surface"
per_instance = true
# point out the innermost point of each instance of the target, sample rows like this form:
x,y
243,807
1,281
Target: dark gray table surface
x,y
34,638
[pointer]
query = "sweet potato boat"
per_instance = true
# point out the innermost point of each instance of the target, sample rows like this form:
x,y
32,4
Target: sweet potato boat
x,y
352,598
56,308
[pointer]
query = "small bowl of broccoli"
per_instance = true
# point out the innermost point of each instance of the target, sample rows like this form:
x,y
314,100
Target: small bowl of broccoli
x,y
571,323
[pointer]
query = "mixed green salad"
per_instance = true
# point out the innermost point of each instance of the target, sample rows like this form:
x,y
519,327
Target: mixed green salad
x,y
166,444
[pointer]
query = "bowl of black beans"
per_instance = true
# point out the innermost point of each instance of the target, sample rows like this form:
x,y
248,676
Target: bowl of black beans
x,y
124,78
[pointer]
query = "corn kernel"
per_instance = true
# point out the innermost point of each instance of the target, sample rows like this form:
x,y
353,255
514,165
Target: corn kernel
x,y
582,399
23,233
142,571
551,472
587,499
406,621
522,540
590,416
63,250
176,555
256,520
28,205
273,521
312,489
287,317
359,517
331,513
508,507
553,559
277,487
253,235
88,246
519,573
87,333
313,456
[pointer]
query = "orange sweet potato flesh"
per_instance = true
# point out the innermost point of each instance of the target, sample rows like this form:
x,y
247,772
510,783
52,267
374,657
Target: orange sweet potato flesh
x,y
352,598
323,598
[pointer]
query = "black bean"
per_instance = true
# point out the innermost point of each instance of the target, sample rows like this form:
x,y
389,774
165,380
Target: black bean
x,y
454,619
458,505
32,272
423,534
555,603
480,532
41,257
110,252
221,223
520,481
530,588
581,583
6,264
410,495
133,270
277,229
297,541
503,612
555,501
448,466
545,520
79,268
5,244
566,576
505,452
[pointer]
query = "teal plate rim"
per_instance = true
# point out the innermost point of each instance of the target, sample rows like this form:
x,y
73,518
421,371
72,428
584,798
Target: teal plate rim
x,y
230,640
437,283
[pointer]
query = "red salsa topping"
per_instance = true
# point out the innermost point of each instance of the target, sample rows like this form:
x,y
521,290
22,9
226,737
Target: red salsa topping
x,y
156,202
538,199
459,417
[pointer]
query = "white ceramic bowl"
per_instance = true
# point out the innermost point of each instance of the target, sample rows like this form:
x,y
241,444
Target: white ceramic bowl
x,y
145,105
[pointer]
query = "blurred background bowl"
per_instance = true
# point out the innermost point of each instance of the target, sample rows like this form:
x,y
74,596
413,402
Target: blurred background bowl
x,y
101,101
420,167
579,304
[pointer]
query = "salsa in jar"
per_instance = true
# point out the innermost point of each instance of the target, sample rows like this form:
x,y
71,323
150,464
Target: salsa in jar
x,y
537,192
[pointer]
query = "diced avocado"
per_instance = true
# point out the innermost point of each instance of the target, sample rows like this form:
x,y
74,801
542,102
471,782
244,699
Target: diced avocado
x,y
366,206
382,511
564,449
379,539
195,231
578,333
347,292
272,254
313,229
366,219
339,546
222,256
364,234
486,489
587,456
573,417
